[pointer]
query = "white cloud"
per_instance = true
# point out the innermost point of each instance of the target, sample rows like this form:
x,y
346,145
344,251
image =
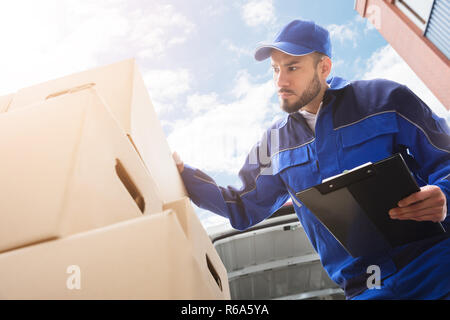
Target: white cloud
x,y
239,51
350,31
168,84
158,28
342,33
49,39
46,39
200,103
220,135
243,84
215,8
386,63
368,26
258,12
167,88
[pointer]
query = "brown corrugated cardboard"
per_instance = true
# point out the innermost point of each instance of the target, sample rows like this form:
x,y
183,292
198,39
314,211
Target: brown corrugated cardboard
x,y
150,257
5,101
68,167
124,91
199,239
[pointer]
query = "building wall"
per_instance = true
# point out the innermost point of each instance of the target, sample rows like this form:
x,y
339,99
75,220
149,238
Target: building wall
x,y
427,61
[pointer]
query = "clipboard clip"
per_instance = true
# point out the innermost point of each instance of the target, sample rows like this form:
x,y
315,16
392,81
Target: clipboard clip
x,y
347,178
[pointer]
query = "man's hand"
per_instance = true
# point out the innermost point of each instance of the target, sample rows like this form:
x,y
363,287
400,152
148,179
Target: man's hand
x,y
178,162
429,204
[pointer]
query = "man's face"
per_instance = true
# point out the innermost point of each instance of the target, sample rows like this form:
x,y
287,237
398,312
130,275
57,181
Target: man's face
x,y
296,79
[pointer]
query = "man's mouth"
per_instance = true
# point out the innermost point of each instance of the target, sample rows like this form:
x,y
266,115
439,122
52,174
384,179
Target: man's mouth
x,y
285,94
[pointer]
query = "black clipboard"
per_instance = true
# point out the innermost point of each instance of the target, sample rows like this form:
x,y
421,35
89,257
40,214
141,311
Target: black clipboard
x,y
354,207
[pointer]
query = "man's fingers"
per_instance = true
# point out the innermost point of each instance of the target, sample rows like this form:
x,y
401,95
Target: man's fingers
x,y
427,204
176,157
417,206
414,207
430,217
425,192
429,214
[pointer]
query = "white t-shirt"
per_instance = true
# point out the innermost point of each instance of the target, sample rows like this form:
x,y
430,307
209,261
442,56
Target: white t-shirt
x,y
310,118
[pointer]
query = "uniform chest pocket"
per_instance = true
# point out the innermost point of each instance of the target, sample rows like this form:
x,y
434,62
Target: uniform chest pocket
x,y
296,167
371,139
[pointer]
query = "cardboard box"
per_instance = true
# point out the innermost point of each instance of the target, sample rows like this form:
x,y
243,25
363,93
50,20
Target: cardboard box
x,y
5,101
150,257
68,167
124,92
200,240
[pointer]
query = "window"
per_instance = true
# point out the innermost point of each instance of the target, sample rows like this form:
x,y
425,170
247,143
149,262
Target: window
x,y
418,11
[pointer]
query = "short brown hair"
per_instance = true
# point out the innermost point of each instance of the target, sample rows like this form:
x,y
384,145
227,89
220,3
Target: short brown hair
x,y
317,57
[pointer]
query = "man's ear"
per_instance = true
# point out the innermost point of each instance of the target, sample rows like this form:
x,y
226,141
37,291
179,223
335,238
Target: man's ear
x,y
325,67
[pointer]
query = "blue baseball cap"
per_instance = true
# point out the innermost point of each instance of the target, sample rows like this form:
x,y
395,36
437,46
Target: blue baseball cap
x,y
298,38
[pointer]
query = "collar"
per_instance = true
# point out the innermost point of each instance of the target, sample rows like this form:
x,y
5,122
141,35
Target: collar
x,y
337,83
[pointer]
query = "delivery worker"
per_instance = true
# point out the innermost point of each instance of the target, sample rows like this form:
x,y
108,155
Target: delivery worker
x,y
333,125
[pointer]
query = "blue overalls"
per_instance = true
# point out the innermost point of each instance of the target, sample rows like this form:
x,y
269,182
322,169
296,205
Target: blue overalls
x,y
358,122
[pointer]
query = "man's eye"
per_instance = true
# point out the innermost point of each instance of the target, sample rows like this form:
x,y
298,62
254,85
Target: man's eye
x,y
293,68
276,70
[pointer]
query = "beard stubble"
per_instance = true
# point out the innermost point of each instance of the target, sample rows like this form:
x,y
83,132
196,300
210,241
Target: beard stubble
x,y
310,93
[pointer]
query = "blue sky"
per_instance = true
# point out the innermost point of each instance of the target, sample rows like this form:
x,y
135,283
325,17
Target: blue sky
x,y
196,57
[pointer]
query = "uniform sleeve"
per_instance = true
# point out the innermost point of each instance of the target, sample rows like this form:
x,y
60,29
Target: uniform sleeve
x,y
261,194
427,138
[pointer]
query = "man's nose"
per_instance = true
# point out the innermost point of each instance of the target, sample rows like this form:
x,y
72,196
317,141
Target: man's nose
x,y
282,80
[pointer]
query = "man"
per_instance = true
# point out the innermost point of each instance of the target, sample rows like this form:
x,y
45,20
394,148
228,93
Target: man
x,y
333,125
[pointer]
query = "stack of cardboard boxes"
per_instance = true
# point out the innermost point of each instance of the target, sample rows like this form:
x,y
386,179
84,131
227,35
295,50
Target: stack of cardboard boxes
x,y
91,203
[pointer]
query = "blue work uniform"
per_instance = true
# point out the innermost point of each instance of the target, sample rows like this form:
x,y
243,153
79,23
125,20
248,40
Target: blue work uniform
x,y
358,122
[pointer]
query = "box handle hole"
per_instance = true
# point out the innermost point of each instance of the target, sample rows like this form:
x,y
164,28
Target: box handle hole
x,y
213,272
130,185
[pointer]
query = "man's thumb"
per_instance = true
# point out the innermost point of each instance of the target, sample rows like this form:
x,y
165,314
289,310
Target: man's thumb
x,y
178,161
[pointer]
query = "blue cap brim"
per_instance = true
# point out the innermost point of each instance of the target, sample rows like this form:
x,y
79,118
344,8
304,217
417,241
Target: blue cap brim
x,y
264,51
